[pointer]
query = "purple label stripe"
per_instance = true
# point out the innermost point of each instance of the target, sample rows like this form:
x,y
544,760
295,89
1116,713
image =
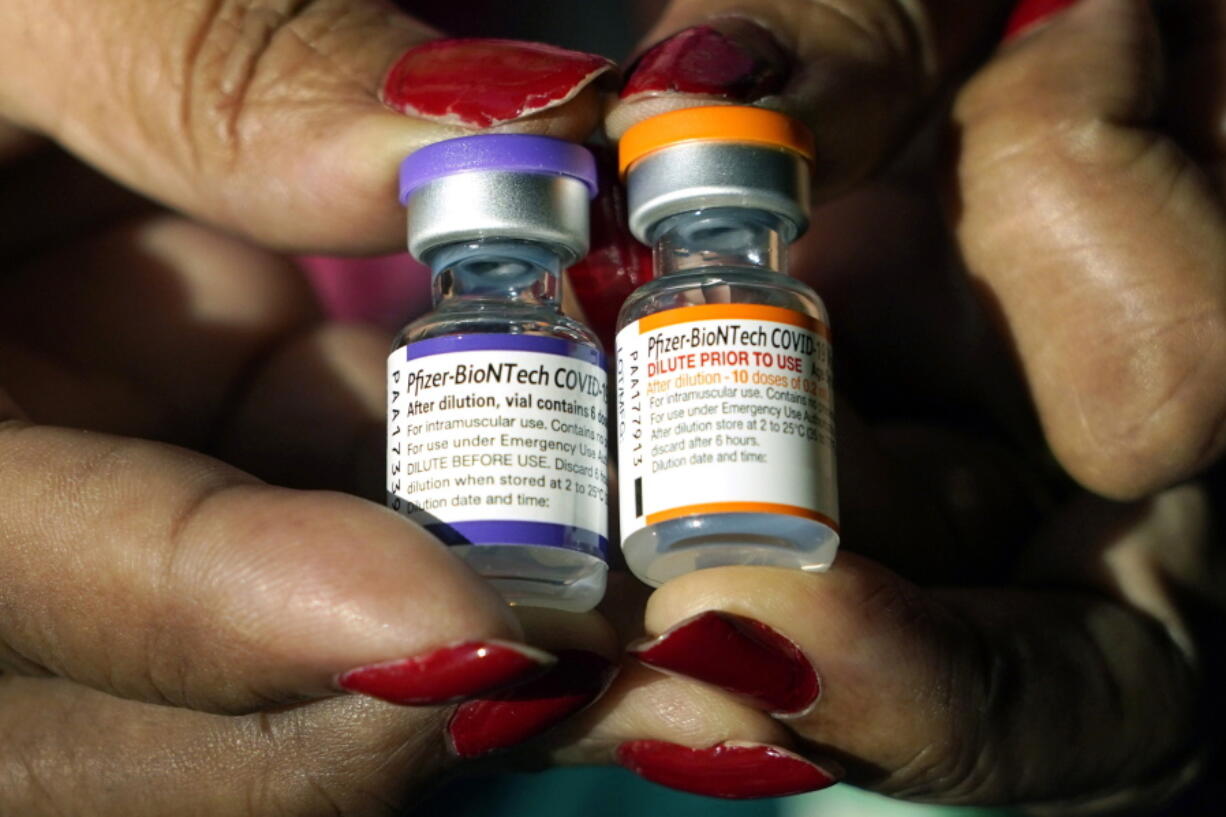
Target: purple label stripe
x,y
508,532
491,342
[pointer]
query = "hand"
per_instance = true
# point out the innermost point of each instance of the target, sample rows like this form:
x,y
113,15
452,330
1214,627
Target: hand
x,y
1029,642
178,635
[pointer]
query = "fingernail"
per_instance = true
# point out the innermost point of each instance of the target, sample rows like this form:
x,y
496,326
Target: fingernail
x,y
487,724
477,83
1029,13
452,673
731,58
740,655
732,770
617,263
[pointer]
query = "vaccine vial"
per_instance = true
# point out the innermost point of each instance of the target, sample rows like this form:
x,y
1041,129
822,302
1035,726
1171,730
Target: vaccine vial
x,y
725,409
497,402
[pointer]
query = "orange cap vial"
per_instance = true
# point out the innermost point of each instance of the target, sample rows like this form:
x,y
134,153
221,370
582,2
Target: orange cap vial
x,y
717,156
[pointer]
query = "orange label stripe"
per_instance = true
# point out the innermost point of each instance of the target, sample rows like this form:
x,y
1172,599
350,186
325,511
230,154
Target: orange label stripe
x,y
743,312
742,507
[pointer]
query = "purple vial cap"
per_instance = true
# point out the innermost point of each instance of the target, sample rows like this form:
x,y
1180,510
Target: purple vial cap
x,y
517,153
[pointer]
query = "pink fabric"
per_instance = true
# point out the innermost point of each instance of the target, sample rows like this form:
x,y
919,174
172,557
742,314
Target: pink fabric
x,y
388,290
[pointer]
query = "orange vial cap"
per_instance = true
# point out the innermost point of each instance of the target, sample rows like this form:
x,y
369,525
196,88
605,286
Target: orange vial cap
x,y
714,123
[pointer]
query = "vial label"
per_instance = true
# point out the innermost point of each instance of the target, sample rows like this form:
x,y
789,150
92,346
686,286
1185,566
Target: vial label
x,y
500,439
724,408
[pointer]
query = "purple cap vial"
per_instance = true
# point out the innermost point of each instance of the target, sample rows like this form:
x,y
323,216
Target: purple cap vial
x,y
530,188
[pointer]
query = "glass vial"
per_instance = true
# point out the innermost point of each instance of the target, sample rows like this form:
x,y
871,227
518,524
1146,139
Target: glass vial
x,y
725,408
496,401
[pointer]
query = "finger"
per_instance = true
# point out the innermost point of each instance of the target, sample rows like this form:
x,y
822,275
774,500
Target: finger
x,y
223,351
73,750
690,737
156,574
352,755
856,71
1101,247
313,413
645,705
186,312
586,651
267,118
972,697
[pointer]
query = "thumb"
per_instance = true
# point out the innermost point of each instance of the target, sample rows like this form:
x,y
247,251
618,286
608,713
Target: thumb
x,y
1099,240
858,72
178,580
267,117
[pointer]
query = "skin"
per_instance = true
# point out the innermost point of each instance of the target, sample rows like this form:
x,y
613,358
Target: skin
x,y
193,671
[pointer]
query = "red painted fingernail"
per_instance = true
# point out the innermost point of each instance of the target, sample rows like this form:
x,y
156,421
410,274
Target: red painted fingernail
x,y
617,263
739,655
508,718
477,83
450,674
736,771
731,58
1029,13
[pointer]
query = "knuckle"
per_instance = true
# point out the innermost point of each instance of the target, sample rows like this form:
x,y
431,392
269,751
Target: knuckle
x,y
874,601
237,58
1027,105
961,761
1034,136
216,69
1019,110
944,743
277,781
182,625
34,779
352,761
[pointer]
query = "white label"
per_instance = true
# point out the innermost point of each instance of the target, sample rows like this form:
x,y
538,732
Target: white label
x,y
724,408
500,439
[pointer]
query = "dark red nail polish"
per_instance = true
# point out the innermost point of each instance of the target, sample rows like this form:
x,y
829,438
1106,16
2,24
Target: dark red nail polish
x,y
732,770
732,58
739,655
450,674
506,719
617,263
477,83
1029,13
